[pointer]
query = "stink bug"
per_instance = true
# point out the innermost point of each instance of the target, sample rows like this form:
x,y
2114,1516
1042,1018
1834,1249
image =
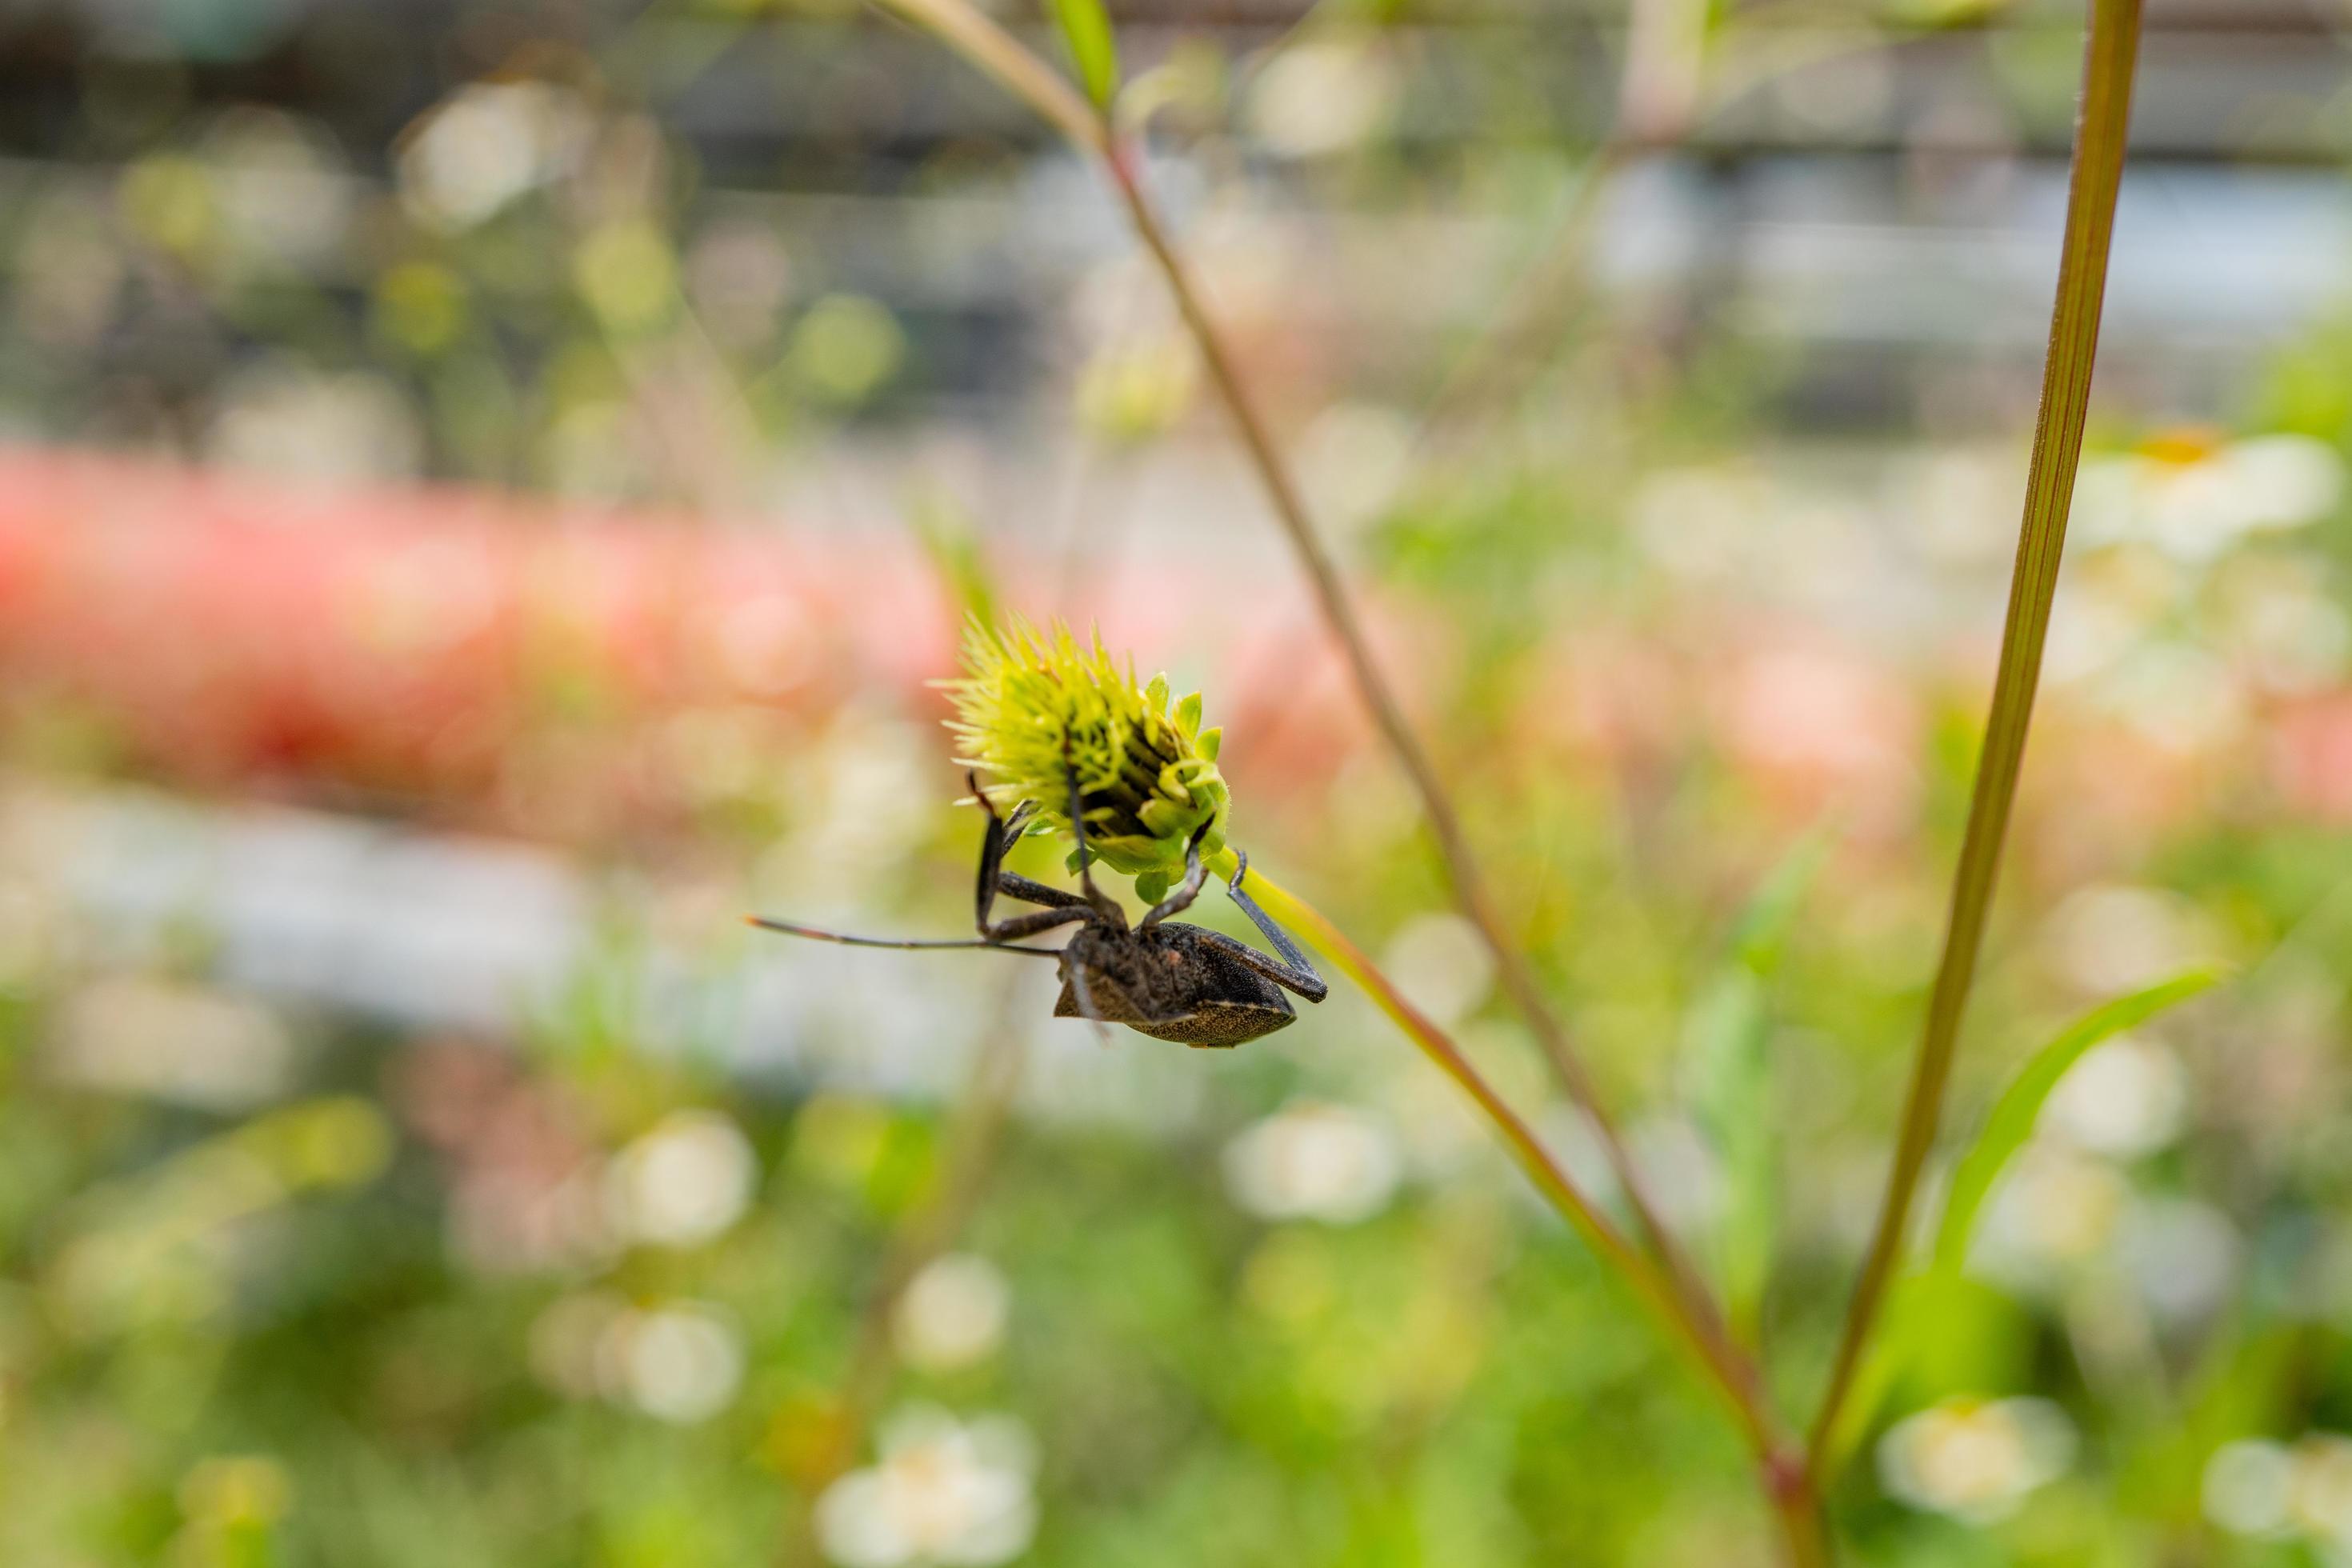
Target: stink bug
x,y
1160,977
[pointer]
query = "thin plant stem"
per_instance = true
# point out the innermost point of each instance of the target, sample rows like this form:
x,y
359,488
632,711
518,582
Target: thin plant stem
x,y
1340,614
991,49
1016,69
2108,57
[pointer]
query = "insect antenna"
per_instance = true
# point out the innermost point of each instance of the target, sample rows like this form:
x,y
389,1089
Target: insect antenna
x,y
820,934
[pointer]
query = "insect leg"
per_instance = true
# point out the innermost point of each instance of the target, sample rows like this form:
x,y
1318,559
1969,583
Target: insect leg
x,y
992,856
1034,921
995,879
1294,971
1180,897
1013,885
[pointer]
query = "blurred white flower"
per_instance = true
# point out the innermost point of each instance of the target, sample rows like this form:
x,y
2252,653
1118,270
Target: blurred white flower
x,y
1441,963
2269,1490
2178,696
2054,1208
2125,1097
2182,1254
2107,938
2090,631
287,419
172,1041
485,145
2196,507
952,1313
284,196
685,1180
2286,481
943,1492
2320,1503
2250,1487
680,1365
1975,1460
1322,96
1314,1161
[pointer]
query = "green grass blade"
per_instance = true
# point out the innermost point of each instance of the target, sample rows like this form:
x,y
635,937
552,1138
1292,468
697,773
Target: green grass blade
x,y
1086,29
1917,1304
2110,55
1727,1037
2011,1120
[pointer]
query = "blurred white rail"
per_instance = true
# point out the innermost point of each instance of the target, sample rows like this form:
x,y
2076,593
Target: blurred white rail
x,y
428,933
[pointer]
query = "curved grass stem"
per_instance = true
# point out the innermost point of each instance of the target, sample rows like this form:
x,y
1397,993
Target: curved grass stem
x,y
2109,56
1717,1359
1461,861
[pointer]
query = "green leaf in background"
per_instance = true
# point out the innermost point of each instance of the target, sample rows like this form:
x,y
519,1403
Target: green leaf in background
x,y
2011,1121
1726,1038
952,546
1917,1306
1086,28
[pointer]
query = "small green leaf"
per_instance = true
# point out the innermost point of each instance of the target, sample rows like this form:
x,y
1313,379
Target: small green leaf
x,y
955,551
1763,925
1188,716
1209,740
1728,1037
2011,1121
1086,29
1916,1302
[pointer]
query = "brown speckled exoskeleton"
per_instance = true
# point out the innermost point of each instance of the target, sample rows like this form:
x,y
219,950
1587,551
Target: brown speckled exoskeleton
x,y
1161,977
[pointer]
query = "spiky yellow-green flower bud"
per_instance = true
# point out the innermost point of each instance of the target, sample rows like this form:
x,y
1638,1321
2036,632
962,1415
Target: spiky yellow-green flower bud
x,y
1034,707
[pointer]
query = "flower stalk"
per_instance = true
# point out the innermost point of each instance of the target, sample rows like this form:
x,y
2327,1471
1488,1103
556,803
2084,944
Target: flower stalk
x,y
1718,1361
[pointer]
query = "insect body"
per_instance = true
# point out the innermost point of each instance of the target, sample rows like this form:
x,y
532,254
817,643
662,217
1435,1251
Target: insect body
x,y
1161,977
1173,981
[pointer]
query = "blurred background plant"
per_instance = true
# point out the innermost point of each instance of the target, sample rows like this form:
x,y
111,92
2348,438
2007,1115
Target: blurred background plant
x,y
483,491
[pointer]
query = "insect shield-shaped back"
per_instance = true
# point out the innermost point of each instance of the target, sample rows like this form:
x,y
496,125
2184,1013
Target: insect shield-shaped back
x,y
1170,982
